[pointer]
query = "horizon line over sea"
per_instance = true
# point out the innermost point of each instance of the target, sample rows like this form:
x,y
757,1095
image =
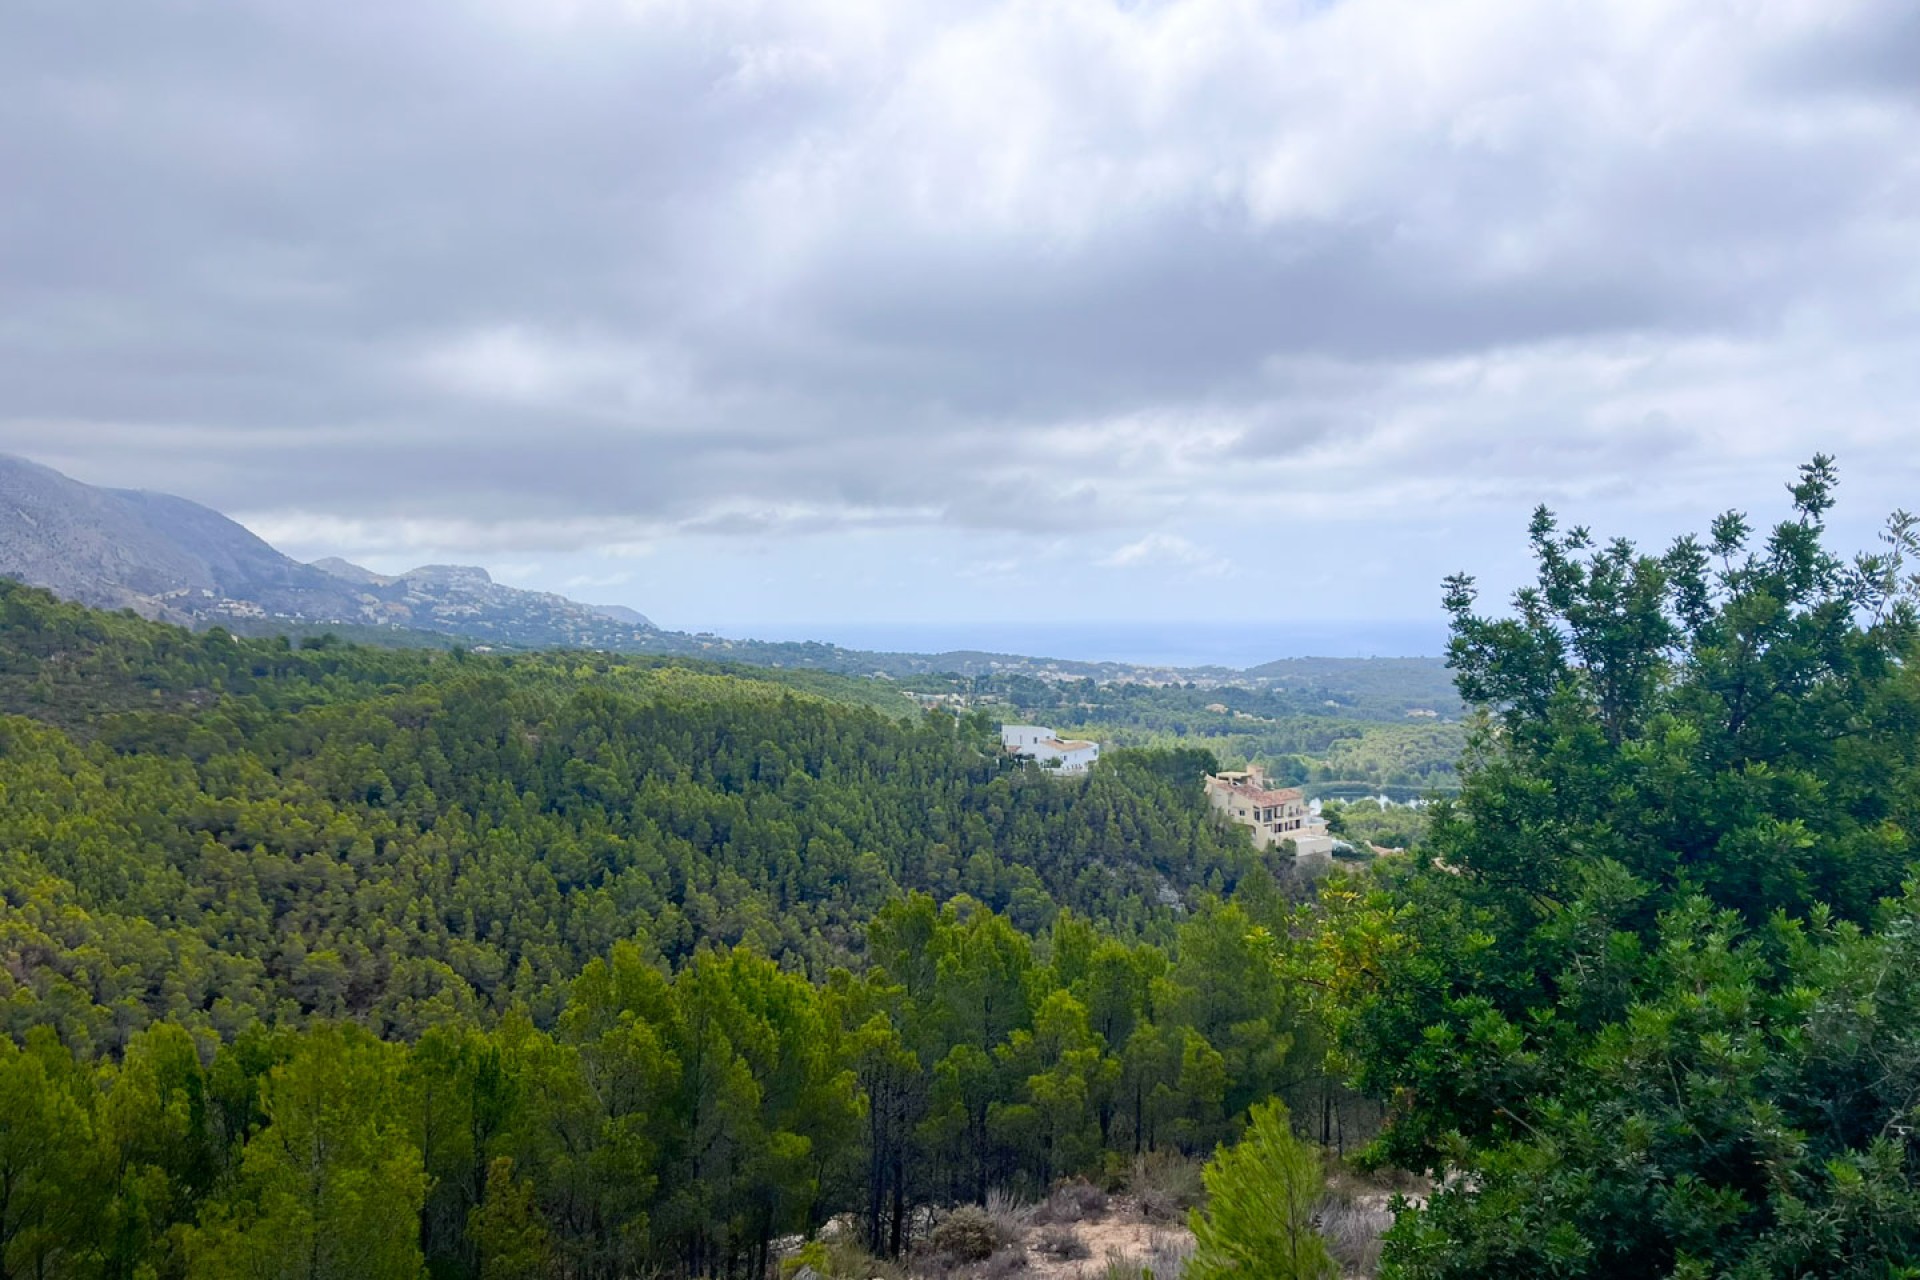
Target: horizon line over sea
x,y
1236,645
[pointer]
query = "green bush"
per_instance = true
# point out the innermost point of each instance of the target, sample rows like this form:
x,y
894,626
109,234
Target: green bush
x,y
968,1234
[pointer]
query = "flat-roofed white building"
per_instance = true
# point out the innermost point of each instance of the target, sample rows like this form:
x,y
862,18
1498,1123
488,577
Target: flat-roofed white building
x,y
1039,743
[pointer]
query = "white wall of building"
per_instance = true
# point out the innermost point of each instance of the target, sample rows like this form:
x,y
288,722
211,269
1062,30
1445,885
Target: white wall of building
x,y
1041,744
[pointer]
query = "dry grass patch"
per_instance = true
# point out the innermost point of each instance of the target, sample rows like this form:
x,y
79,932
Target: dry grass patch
x,y
1074,1201
1061,1242
1352,1229
1166,1185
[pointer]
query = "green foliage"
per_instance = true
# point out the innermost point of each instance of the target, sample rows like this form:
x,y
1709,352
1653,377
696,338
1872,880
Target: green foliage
x,y
969,1234
1648,1005
668,1120
340,962
411,840
1368,822
510,1240
1378,689
1343,731
331,1187
1261,1194
47,1158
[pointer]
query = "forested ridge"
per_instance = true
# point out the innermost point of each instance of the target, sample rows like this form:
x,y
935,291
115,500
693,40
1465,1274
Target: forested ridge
x,y
359,832
337,961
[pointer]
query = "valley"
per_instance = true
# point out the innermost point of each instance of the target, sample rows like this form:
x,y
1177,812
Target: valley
x,y
640,964
338,960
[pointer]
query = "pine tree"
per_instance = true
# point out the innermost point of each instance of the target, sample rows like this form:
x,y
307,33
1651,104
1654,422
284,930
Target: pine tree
x,y
1261,1194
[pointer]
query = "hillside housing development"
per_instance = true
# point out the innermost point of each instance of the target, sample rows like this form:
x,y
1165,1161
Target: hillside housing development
x,y
1274,815
1038,743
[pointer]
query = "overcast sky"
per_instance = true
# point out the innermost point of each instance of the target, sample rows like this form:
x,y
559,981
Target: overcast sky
x,y
777,316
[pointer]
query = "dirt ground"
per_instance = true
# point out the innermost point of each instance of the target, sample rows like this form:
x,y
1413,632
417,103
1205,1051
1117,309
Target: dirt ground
x,y
1115,1239
1121,1232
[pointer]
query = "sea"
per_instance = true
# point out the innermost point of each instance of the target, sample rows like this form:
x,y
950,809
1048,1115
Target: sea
x,y
1236,645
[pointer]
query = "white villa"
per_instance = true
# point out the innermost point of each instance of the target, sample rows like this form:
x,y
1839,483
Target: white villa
x,y
1273,815
1036,742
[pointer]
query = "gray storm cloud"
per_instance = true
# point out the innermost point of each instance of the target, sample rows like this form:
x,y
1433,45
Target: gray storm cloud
x,y
556,275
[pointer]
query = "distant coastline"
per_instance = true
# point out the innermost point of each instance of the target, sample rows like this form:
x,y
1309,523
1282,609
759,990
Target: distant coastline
x,y
1237,645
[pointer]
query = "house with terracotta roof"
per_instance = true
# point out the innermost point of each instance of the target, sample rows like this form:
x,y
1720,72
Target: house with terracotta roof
x,y
1276,816
1043,745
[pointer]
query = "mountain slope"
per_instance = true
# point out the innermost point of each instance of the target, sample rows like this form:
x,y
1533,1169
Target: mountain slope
x,y
162,556
455,599
171,559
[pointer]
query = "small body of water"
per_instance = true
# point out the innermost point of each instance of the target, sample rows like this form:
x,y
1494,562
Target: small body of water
x,y
1178,644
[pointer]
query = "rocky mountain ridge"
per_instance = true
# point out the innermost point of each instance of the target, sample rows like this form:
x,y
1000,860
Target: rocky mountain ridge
x,y
177,561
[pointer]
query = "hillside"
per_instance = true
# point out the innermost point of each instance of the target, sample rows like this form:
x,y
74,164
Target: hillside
x,y
157,555
590,933
692,803
1337,726
167,558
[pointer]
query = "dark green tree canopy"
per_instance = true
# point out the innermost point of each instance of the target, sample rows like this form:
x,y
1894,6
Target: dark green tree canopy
x,y
1649,1008
338,962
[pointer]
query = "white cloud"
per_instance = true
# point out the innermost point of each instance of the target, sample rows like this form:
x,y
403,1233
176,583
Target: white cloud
x,y
598,581
503,278
1162,549
514,363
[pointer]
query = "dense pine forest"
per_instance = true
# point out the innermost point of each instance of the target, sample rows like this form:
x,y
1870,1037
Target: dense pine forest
x,y
382,834
320,961
335,961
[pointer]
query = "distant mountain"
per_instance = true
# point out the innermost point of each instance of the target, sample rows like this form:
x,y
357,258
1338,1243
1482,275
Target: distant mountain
x,y
171,559
160,556
458,599
620,613
177,561
350,572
